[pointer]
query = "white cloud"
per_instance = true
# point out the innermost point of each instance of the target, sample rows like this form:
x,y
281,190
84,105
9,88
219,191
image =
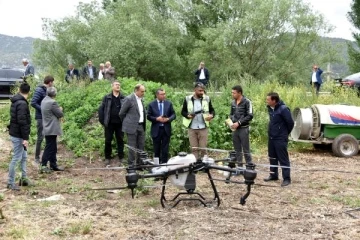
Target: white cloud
x,y
335,13
23,17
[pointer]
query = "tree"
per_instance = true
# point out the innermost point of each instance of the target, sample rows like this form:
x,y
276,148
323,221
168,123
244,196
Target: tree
x,y
353,49
164,40
261,38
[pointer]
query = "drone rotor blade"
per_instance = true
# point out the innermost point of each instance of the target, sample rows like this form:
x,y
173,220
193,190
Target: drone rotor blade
x,y
269,165
265,185
110,188
154,186
227,181
212,149
103,168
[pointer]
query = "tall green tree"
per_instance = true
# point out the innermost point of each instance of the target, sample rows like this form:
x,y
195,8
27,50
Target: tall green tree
x,y
353,49
164,40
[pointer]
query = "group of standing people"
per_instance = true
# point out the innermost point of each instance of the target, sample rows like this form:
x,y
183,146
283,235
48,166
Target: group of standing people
x,y
106,71
119,114
48,115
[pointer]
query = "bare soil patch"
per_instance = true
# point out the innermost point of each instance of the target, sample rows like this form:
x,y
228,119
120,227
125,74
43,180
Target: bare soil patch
x,y
313,207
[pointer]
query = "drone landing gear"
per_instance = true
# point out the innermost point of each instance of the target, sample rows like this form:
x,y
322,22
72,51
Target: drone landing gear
x,y
190,191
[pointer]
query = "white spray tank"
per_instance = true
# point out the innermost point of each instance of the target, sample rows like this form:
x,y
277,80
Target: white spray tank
x,y
183,159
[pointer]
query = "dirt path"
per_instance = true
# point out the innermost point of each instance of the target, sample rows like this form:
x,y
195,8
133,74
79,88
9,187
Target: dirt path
x,y
313,207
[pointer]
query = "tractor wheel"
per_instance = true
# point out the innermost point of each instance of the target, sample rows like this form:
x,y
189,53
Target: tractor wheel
x,y
345,145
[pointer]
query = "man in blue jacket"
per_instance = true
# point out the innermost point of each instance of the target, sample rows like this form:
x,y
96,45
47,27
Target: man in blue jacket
x,y
280,126
39,95
161,113
315,79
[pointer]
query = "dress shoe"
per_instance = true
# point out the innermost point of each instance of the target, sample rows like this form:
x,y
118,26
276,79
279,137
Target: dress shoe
x,y
58,169
13,187
25,182
271,178
285,183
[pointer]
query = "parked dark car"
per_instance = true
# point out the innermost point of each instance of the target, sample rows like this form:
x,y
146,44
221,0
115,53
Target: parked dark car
x,y
8,78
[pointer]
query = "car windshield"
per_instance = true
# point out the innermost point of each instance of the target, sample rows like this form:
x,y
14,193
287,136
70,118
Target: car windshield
x,y
10,73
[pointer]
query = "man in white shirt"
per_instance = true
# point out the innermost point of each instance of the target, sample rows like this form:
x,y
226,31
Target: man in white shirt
x,y
133,117
101,71
315,79
202,74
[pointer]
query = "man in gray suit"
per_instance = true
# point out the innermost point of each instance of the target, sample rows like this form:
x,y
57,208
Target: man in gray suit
x,y
51,114
133,117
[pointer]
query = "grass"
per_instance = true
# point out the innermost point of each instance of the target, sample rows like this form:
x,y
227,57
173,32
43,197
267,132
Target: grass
x,y
95,195
80,227
351,201
17,232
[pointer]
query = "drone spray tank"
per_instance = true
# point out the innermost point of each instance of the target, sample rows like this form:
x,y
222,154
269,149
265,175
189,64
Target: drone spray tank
x,y
182,178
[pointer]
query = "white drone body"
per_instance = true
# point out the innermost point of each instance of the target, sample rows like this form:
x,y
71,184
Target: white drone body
x,y
181,161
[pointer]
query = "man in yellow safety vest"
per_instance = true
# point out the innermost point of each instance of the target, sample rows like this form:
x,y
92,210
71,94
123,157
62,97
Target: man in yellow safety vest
x,y
197,112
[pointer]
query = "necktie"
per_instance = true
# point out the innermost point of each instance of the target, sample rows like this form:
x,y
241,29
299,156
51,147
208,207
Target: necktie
x,y
161,108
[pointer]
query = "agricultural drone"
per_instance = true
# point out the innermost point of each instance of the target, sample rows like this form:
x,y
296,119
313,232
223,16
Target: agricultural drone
x,y
181,170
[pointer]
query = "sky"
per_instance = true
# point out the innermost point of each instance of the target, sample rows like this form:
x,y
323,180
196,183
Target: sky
x,y
23,17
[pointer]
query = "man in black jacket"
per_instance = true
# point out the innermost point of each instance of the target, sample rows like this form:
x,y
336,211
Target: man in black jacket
x,y
241,114
72,73
280,126
19,130
202,74
109,118
39,95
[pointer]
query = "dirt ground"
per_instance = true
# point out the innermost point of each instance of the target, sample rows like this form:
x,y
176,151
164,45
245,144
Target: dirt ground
x,y
313,207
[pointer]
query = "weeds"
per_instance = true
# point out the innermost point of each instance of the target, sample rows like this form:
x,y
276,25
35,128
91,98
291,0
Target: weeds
x,y
351,201
80,227
58,232
17,232
95,195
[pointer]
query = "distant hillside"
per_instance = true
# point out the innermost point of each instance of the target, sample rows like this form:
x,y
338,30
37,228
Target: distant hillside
x,y
13,49
341,45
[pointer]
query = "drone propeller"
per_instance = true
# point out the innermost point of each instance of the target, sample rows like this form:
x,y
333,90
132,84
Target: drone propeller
x,y
103,168
309,170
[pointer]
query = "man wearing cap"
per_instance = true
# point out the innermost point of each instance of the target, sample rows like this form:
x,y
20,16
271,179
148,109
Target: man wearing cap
x,y
197,112
29,69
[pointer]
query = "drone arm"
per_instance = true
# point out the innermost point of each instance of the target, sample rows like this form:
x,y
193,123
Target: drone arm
x,y
150,175
232,170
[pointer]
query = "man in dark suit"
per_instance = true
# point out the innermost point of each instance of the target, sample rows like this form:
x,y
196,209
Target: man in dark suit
x,y
29,69
202,74
51,115
132,115
89,71
72,73
161,113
